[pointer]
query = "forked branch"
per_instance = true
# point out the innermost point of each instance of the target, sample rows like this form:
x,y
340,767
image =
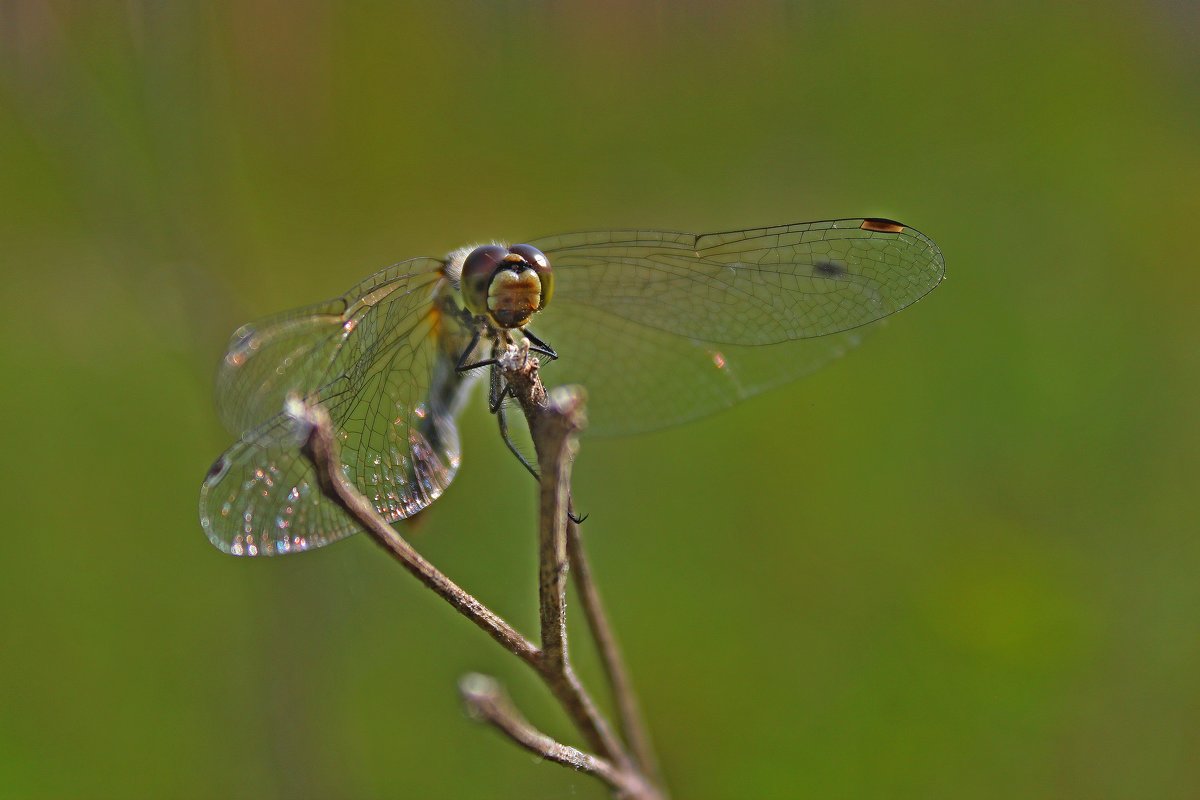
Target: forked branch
x,y
486,701
554,422
629,714
320,448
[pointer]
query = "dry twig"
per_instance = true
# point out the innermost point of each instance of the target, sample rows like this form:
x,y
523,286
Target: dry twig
x,y
632,724
554,422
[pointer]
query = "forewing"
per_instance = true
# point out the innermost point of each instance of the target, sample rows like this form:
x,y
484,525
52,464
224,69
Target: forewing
x,y
376,360
664,327
751,287
304,349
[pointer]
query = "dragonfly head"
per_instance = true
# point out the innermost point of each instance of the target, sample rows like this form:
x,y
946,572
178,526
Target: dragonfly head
x,y
506,285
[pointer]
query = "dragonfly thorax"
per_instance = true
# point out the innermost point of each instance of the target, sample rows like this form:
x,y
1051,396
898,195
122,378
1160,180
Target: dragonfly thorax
x,y
506,285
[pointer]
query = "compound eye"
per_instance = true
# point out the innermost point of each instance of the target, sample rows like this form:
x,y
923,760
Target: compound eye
x,y
477,272
541,265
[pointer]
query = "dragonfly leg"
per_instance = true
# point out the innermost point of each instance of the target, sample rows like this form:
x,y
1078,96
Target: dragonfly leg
x,y
502,419
487,362
463,365
498,391
539,346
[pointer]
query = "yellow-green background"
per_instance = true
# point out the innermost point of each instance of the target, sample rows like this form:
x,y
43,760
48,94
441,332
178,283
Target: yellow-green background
x,y
962,562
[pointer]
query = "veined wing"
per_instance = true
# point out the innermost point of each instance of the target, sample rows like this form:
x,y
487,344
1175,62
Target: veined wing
x,y
663,327
376,358
306,348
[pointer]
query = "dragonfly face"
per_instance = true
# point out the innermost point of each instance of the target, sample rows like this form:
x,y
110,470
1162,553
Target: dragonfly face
x,y
506,285
660,327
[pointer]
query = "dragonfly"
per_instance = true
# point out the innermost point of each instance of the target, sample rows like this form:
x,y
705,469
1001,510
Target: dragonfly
x,y
660,327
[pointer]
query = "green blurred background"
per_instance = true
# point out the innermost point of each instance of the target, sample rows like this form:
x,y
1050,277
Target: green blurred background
x,y
961,562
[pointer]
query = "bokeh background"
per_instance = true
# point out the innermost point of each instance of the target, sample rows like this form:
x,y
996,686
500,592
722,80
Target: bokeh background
x,y
960,562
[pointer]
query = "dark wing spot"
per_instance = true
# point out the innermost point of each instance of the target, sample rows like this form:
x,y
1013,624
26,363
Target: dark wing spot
x,y
882,225
216,470
829,269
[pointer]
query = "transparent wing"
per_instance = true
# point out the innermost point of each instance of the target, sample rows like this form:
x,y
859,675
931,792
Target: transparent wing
x,y
261,497
663,327
376,358
641,379
296,351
